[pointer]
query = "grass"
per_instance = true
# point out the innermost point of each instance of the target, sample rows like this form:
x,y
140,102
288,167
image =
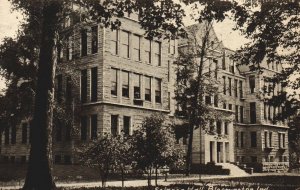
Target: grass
x,y
14,174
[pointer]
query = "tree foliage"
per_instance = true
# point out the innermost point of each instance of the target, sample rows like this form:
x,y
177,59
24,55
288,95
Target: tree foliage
x,y
46,18
154,146
107,155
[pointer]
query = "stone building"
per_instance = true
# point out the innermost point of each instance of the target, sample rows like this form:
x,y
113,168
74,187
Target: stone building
x,y
253,137
122,78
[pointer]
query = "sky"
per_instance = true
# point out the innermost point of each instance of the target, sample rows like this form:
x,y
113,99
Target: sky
x,y
9,22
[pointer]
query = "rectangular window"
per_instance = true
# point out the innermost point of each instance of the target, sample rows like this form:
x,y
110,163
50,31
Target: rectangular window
x,y
114,42
219,127
94,84
253,139
224,85
252,84
126,125
83,86
136,44
266,139
236,113
252,112
216,100
114,124
230,106
229,86
94,39
216,67
124,41
24,133
207,100
242,139
125,84
84,42
83,126
269,112
148,51
68,89
13,134
265,110
237,139
270,140
242,114
114,82
157,53
283,140
241,89
94,126
231,67
157,88
279,140
236,88
137,86
147,81
226,128
59,90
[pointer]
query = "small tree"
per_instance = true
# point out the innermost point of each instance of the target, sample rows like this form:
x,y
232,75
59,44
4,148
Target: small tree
x,y
107,154
154,146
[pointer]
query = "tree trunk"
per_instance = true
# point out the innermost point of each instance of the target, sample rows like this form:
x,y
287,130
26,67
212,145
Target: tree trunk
x,y
149,176
122,173
104,179
39,174
156,176
189,150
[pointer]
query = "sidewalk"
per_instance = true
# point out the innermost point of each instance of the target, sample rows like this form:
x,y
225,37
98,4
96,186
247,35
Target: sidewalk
x,y
136,183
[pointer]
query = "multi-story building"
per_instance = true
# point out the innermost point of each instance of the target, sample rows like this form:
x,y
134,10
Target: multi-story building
x,y
250,135
122,78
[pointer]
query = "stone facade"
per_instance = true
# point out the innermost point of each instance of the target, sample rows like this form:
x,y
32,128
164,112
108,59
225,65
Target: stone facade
x,y
253,136
122,77
126,78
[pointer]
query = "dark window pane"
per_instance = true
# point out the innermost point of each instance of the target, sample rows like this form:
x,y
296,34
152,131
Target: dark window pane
x,y
94,84
252,112
84,86
114,82
94,39
253,139
114,125
252,84
94,126
126,125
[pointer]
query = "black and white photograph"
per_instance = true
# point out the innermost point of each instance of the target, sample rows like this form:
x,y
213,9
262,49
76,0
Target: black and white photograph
x,y
149,94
